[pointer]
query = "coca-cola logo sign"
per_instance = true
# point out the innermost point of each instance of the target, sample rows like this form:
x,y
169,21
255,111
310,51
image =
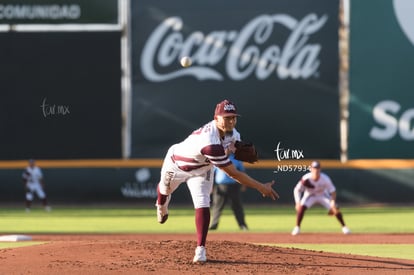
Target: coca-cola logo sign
x,y
253,50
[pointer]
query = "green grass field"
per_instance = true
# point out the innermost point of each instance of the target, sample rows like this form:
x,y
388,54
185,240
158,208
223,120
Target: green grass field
x,y
278,219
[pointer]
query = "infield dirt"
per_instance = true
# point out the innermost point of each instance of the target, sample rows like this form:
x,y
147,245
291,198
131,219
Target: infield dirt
x,y
228,253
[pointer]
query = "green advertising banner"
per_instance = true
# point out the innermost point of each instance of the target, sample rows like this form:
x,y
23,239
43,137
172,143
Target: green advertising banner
x,y
276,60
59,12
381,79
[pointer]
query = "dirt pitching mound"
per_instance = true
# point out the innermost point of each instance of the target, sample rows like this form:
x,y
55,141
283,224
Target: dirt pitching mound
x,y
235,253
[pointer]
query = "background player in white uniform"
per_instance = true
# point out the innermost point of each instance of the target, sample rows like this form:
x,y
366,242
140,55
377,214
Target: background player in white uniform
x,y
34,184
193,161
316,187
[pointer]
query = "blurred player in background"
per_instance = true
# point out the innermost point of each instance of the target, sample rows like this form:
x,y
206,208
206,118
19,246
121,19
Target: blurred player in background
x,y
227,188
34,184
193,160
316,187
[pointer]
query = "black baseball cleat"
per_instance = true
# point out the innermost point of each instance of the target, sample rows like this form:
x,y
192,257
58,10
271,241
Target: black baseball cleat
x,y
163,219
213,227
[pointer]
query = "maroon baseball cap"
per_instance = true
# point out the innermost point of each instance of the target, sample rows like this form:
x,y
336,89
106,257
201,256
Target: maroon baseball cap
x,y
226,108
316,164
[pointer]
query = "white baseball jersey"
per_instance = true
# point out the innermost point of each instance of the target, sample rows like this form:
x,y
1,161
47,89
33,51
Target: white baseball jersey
x,y
314,191
193,161
204,148
33,176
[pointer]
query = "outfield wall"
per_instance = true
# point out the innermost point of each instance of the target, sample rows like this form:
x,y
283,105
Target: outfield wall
x,y
381,107
135,181
61,99
60,75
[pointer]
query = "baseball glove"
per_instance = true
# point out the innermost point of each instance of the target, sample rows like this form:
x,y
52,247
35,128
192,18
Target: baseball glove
x,y
334,210
245,151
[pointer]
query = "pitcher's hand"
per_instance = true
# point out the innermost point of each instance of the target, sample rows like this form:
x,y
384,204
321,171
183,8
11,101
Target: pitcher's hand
x,y
269,191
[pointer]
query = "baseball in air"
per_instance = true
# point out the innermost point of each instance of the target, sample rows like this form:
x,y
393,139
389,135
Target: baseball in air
x,y
186,61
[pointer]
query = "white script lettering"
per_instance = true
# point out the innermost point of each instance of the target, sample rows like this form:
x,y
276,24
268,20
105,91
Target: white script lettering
x,y
51,110
282,153
245,52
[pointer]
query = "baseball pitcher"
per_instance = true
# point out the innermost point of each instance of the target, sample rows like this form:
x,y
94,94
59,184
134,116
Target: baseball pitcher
x,y
193,160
